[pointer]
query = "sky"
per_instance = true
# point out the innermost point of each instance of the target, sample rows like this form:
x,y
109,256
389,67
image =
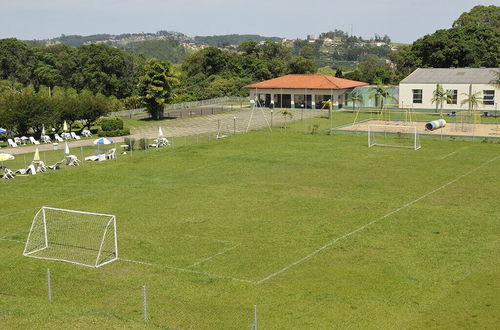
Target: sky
x,y
403,20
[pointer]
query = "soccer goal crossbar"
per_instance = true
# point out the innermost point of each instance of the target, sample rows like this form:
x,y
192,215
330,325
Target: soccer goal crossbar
x,y
399,136
78,237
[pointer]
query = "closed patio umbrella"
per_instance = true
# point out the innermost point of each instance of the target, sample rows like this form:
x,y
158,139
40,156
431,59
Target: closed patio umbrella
x,y
36,158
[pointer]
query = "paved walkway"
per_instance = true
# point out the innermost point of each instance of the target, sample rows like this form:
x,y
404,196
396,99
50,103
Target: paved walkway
x,y
237,120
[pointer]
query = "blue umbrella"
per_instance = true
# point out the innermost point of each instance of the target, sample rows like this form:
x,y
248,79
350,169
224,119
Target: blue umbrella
x,y
3,130
103,140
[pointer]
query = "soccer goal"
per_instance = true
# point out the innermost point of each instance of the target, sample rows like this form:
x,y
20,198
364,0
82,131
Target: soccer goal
x,y
81,238
393,136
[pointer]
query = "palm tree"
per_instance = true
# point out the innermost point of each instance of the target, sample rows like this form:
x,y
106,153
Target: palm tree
x,y
354,97
472,99
440,96
381,93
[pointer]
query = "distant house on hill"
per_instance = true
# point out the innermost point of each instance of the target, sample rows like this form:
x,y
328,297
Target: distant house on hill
x,y
417,90
307,91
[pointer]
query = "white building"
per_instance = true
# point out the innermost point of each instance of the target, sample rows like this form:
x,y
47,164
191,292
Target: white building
x,y
417,90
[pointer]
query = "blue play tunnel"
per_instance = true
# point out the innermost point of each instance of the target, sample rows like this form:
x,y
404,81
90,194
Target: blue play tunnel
x,y
436,124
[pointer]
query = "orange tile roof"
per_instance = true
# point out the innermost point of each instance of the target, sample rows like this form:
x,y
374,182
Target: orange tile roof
x,y
309,81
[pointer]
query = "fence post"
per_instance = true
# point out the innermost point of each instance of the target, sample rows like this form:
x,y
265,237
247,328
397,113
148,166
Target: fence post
x,y
49,287
254,326
145,303
234,125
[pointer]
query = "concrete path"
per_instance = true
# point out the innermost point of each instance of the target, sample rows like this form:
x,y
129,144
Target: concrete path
x,y
237,120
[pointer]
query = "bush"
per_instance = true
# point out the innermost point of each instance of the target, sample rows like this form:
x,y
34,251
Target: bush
x,y
143,144
111,124
130,142
118,132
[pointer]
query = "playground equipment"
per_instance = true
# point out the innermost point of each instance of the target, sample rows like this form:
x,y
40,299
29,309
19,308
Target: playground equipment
x,y
435,124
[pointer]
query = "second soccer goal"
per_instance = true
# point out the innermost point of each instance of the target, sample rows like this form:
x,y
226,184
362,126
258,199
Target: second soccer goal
x,y
393,136
82,238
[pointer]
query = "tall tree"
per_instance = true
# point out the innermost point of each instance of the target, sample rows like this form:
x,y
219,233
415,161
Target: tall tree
x,y
156,86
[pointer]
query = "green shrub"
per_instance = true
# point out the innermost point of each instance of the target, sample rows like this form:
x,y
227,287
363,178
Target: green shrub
x,y
143,144
118,132
111,124
130,142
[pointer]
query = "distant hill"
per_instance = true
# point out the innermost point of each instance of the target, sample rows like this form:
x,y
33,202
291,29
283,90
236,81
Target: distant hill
x,y
167,49
232,39
111,39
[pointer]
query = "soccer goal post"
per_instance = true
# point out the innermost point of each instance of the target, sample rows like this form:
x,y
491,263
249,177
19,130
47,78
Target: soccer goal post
x,y
81,238
399,136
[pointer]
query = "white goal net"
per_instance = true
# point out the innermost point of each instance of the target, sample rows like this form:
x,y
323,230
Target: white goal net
x,y
82,238
400,136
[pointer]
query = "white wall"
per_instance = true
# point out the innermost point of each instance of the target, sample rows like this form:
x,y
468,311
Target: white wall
x,y
406,96
336,93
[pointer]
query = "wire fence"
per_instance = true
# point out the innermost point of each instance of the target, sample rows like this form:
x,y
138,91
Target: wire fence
x,y
75,296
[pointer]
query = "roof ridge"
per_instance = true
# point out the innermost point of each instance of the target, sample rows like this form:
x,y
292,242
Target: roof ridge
x,y
327,77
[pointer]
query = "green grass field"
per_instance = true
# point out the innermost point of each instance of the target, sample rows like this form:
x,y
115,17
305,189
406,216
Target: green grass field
x,y
318,231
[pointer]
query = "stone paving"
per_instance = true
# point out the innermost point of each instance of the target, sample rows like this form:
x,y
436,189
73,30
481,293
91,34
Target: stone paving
x,y
237,121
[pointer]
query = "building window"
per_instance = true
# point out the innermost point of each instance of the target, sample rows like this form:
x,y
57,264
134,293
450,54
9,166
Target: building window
x,y
489,97
417,96
453,94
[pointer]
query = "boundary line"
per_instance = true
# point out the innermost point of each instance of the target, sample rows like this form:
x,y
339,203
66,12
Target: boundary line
x,y
185,270
213,256
282,270
448,155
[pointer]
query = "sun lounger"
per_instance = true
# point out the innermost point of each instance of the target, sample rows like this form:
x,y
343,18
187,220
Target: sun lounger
x,y
31,170
45,139
11,143
56,166
75,136
7,173
33,141
58,138
17,140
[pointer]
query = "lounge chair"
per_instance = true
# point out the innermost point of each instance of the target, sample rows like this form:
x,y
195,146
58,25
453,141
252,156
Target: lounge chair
x,y
45,139
100,158
86,133
25,171
7,173
12,143
56,166
72,160
75,136
18,141
33,141
58,138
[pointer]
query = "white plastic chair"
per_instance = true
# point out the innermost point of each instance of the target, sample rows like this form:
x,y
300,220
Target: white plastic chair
x,y
111,154
33,141
58,138
17,140
72,160
86,133
45,139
